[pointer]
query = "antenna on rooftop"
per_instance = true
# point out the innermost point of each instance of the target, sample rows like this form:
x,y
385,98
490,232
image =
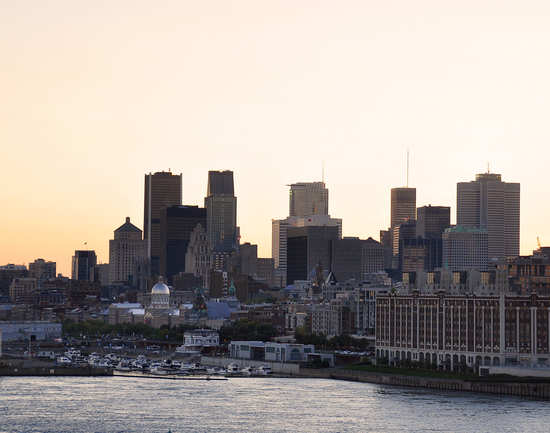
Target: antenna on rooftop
x,y
407,168
488,171
323,172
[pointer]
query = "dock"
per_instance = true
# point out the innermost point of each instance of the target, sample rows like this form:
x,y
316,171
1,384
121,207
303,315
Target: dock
x,y
168,377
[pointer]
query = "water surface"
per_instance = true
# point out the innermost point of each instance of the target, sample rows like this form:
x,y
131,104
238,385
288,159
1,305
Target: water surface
x,y
118,404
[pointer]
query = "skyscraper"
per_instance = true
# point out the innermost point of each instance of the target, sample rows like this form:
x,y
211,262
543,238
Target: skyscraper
x,y
465,248
491,204
308,247
308,198
403,205
176,225
221,211
430,225
162,189
126,250
83,265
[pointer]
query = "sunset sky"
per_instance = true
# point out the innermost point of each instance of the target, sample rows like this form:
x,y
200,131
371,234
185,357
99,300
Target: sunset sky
x,y
96,94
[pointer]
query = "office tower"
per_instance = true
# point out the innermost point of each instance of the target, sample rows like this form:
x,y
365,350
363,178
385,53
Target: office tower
x,y
42,270
248,259
356,258
491,204
83,265
279,250
432,221
279,239
403,205
401,233
198,258
162,189
308,247
465,248
176,225
430,225
264,271
308,198
372,257
126,251
386,242
221,211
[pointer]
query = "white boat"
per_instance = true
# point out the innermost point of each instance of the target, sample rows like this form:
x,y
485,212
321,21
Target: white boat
x,y
262,370
123,366
246,371
63,360
158,370
232,370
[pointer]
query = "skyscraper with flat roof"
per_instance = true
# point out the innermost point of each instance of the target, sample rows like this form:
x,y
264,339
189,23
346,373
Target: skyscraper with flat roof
x,y
162,189
221,211
491,204
177,224
308,198
83,265
403,205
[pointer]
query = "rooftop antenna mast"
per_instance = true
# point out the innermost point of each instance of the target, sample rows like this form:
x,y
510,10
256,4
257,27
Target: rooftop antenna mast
x,y
323,171
407,168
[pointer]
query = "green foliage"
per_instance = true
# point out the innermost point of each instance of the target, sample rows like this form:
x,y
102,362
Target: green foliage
x,y
339,342
98,329
246,330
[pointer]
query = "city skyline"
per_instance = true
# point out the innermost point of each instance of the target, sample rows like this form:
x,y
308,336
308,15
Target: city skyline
x,y
252,92
264,249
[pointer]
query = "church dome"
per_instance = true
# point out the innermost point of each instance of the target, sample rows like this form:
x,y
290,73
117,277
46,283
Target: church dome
x,y
160,288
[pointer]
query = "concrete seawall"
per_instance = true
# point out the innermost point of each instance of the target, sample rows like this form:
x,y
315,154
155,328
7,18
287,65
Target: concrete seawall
x,y
531,390
32,368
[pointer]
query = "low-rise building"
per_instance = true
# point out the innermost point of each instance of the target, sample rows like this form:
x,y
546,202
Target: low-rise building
x,y
22,290
200,338
16,331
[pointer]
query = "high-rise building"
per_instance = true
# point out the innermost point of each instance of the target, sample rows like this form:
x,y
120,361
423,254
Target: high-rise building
x,y
42,270
279,239
403,205
126,250
307,248
465,248
430,225
176,225
279,230
308,198
355,258
83,265
162,189
432,221
248,259
491,204
198,257
221,211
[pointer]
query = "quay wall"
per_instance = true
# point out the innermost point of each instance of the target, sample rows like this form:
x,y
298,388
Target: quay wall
x,y
276,367
26,368
531,390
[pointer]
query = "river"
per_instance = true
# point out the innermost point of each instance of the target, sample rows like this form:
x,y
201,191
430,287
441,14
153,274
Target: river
x,y
120,404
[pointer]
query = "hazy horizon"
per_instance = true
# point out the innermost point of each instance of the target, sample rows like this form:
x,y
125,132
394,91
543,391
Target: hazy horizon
x,y
98,94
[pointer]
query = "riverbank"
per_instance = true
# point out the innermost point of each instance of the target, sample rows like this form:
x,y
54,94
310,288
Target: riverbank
x,y
41,368
500,385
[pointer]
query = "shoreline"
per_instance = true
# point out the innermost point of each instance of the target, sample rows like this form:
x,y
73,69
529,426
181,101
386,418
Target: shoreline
x,y
539,391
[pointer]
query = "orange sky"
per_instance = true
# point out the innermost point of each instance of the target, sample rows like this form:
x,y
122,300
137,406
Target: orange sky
x,y
95,94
